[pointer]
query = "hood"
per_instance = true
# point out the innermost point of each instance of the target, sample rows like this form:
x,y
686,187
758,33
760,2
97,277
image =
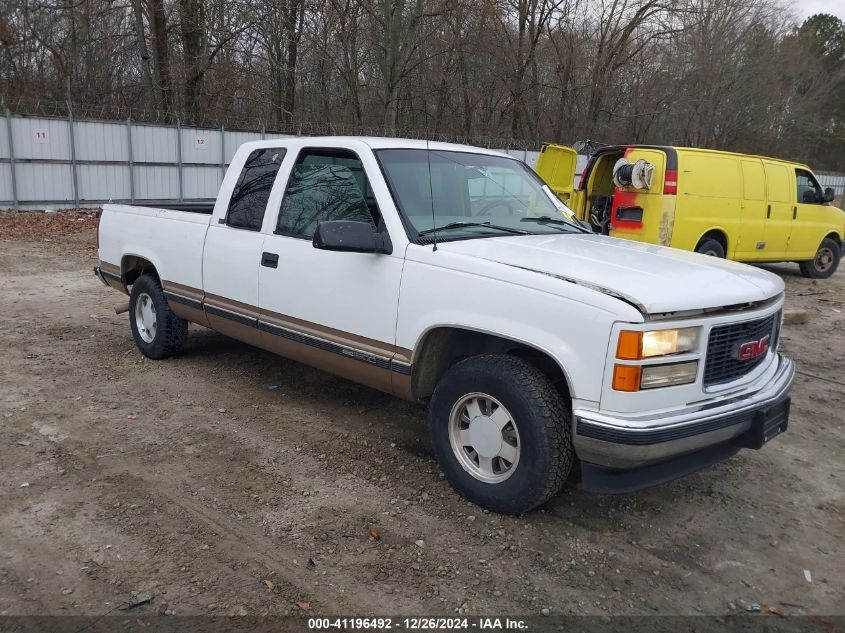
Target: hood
x,y
656,279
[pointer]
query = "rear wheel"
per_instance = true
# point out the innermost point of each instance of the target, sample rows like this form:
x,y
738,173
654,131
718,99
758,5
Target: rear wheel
x,y
158,332
501,433
825,263
712,247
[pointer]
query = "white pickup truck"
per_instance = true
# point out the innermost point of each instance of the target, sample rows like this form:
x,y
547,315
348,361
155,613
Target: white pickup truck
x,y
452,276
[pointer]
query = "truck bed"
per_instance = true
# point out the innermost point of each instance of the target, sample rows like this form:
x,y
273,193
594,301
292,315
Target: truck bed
x,y
205,208
171,239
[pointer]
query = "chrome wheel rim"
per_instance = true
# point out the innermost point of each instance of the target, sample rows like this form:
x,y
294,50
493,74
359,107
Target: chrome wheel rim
x,y
824,259
145,317
484,438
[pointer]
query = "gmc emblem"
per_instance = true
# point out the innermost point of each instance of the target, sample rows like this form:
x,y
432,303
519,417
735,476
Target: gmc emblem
x,y
753,349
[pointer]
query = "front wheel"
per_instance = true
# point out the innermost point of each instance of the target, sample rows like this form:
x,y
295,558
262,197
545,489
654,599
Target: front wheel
x,y
158,332
501,433
825,263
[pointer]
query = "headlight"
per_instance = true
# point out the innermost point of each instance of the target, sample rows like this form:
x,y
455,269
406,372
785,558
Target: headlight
x,y
638,345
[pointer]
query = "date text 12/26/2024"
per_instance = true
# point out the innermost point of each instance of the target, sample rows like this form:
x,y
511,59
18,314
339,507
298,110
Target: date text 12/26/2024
x,y
417,624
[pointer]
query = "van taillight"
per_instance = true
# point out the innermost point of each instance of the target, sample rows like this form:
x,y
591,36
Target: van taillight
x,y
99,217
670,184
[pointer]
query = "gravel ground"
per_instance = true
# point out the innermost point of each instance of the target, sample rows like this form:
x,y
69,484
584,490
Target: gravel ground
x,y
194,480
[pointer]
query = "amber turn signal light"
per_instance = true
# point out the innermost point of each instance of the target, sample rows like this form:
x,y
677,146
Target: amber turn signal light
x,y
626,377
630,346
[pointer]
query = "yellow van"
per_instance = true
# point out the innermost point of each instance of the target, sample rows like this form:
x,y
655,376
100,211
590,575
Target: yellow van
x,y
746,208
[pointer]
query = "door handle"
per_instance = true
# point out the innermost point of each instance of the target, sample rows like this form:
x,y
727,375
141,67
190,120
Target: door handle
x,y
794,212
271,260
769,212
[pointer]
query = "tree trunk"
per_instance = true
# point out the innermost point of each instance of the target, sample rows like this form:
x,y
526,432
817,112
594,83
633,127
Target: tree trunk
x,y
294,16
141,39
194,46
161,53
517,100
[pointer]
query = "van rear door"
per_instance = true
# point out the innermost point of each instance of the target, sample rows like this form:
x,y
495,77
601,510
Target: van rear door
x,y
644,215
556,166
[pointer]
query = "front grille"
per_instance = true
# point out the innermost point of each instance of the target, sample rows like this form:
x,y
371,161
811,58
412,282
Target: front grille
x,y
723,364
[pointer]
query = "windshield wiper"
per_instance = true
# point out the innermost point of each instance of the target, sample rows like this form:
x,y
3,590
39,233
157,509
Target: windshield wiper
x,y
546,219
461,225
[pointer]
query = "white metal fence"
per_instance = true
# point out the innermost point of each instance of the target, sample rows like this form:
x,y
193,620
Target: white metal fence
x,y
58,163
49,163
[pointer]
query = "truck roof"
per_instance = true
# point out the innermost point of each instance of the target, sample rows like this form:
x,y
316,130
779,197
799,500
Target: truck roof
x,y
375,142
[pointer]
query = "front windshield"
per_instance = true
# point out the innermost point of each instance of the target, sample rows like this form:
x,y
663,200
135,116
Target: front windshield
x,y
472,195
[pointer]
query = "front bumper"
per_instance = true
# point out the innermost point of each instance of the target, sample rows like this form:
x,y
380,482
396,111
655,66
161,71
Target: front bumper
x,y
620,454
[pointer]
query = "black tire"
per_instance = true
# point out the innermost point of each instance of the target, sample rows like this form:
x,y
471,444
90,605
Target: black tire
x,y
170,331
825,262
710,246
542,419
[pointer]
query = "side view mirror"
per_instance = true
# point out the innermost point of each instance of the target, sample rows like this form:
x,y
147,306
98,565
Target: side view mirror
x,y
351,237
829,195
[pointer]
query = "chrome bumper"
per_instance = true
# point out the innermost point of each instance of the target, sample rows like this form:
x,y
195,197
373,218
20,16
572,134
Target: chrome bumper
x,y
623,443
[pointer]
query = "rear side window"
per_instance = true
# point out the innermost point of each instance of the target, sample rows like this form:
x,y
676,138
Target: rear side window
x,y
249,198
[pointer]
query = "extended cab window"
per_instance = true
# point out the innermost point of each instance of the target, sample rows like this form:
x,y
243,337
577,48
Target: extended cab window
x,y
808,189
326,185
250,195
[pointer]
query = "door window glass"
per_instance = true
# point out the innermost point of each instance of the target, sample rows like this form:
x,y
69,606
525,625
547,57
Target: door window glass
x,y
250,195
326,186
809,190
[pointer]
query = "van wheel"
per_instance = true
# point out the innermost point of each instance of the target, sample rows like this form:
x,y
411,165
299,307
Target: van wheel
x,y
501,433
711,247
825,262
158,332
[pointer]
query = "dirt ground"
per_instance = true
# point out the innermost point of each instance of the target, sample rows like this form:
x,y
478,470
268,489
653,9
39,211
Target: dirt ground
x,y
197,480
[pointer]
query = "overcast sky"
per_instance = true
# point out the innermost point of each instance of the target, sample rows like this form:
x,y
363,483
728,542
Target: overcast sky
x,y
806,8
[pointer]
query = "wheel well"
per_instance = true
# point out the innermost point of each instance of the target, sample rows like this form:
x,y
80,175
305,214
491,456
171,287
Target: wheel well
x,y
834,237
133,267
444,347
715,234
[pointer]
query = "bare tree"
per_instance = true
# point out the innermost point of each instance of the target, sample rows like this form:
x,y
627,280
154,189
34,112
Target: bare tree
x,y
161,52
397,38
730,74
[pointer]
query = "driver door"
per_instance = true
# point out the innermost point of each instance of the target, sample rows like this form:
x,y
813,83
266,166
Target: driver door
x,y
333,310
808,226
